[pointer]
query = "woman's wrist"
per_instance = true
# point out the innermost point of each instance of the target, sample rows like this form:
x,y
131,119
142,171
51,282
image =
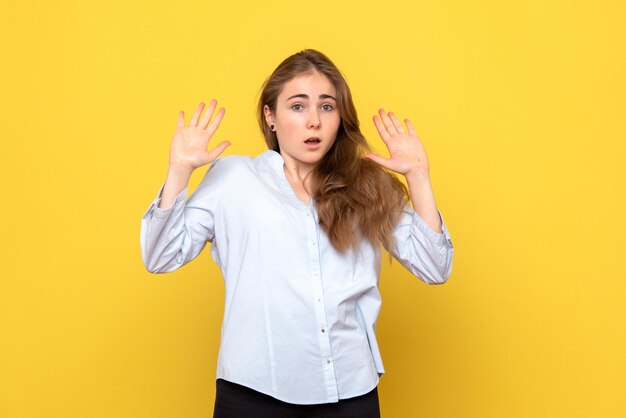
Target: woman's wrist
x,y
418,176
179,170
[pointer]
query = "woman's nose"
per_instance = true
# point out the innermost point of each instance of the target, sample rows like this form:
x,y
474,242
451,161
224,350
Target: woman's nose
x,y
314,120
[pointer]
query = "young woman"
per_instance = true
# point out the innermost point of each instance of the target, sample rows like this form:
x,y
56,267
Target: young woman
x,y
297,232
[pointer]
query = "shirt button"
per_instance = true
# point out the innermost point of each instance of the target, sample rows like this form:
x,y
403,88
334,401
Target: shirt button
x,y
323,330
328,361
318,299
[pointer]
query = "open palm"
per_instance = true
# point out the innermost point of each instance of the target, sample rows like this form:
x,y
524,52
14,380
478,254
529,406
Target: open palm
x,y
406,152
189,145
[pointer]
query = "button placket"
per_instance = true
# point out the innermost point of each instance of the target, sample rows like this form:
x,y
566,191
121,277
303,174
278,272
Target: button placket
x,y
320,311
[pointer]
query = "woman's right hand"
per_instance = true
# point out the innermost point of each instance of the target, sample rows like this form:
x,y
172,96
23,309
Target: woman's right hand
x,y
188,150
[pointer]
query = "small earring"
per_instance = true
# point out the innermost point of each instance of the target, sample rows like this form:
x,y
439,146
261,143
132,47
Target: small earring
x,y
272,127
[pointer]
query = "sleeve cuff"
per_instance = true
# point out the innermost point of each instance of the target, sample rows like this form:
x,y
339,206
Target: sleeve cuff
x,y
420,223
163,213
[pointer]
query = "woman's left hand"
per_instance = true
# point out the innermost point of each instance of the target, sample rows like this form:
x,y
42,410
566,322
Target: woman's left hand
x,y
407,154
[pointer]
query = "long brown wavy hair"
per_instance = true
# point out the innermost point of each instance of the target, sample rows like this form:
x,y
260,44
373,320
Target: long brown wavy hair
x,y
354,196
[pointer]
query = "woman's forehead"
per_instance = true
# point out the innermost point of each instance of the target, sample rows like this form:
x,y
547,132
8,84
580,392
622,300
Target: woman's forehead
x,y
312,85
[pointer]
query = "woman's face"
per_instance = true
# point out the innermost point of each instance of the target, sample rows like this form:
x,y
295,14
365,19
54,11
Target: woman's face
x,y
306,119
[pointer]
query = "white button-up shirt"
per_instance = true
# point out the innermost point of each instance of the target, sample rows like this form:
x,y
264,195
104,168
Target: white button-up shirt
x,y
299,318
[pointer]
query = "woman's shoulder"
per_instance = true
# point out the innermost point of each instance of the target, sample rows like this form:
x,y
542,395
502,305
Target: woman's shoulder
x,y
230,163
236,167
244,162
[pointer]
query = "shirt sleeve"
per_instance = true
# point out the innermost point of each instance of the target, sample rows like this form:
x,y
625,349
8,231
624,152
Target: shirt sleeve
x,y
172,237
425,253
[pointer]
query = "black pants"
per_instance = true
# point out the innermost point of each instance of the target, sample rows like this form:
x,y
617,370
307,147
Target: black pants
x,y
236,401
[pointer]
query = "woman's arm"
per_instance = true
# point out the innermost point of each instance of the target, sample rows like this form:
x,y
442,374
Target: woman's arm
x,y
425,253
173,235
422,242
408,157
423,199
174,231
177,179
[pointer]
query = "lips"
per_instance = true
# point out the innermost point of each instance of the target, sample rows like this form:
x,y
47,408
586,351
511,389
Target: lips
x,y
313,140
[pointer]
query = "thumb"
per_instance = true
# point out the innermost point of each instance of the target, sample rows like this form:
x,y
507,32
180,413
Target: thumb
x,y
215,152
377,159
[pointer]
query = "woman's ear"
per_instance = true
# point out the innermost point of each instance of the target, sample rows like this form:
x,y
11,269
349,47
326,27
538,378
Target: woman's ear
x,y
268,115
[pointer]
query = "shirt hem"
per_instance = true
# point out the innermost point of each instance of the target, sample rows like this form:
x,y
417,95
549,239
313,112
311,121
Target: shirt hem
x,y
291,401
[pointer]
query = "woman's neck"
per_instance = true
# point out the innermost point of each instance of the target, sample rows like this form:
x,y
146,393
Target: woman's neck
x,y
299,177
297,171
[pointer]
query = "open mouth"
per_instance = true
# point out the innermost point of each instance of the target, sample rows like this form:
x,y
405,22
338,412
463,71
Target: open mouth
x,y
312,141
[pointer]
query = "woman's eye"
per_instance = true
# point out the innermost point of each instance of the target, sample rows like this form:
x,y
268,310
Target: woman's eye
x,y
296,107
327,107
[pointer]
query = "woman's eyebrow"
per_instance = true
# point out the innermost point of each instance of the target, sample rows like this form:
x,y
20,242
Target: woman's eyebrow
x,y
306,96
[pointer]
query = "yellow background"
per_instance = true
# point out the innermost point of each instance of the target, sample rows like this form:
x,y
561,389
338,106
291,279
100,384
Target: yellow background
x,y
521,107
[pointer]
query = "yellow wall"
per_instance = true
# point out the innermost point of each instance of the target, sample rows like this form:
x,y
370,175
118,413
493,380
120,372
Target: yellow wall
x,y
521,107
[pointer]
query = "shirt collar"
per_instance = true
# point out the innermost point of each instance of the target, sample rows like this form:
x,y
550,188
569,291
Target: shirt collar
x,y
274,159
276,163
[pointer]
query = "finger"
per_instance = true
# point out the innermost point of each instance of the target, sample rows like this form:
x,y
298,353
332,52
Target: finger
x,y
215,152
388,124
181,119
396,123
410,127
215,122
208,114
382,131
194,118
378,159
